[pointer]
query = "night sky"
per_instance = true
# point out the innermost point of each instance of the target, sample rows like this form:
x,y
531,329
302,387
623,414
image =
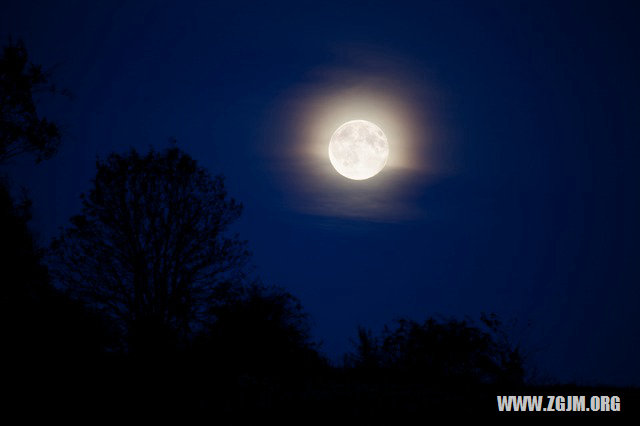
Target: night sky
x,y
517,189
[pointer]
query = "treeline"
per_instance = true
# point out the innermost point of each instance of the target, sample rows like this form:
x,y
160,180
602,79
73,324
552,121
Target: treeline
x,y
146,301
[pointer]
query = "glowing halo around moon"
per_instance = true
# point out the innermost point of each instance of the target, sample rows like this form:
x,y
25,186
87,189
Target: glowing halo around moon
x,y
358,149
306,125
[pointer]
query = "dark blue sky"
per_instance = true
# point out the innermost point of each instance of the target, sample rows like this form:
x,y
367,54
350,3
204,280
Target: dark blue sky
x,y
538,117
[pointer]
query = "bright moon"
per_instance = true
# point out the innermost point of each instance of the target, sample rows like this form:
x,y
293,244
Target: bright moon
x,y
358,149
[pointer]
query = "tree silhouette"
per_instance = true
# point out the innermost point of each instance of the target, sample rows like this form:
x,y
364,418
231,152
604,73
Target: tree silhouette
x,y
22,130
438,351
37,322
367,354
261,330
151,248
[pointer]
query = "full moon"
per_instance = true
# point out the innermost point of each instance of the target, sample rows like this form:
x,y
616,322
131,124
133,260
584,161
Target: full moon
x,y
358,149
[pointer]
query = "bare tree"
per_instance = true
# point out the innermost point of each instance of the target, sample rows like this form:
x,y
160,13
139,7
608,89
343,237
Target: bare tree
x,y
151,248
